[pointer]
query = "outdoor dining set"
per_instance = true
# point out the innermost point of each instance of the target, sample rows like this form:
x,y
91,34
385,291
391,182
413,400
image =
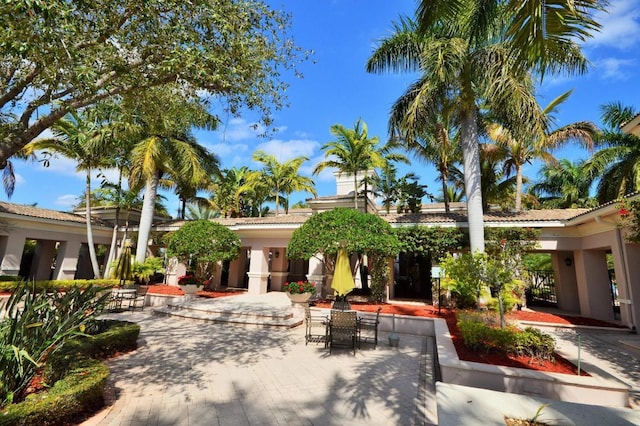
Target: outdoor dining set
x,y
341,328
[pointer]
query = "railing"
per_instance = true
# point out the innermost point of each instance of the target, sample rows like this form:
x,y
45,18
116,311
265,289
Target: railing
x,y
541,289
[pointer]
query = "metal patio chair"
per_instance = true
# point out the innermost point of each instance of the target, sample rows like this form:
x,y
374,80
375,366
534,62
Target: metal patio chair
x,y
343,329
316,327
368,329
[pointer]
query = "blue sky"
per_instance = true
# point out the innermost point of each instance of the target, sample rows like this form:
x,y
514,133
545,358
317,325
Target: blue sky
x,y
336,90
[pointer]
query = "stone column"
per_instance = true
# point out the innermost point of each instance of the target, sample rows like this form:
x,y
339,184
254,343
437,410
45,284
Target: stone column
x,y
236,270
43,258
279,265
566,285
258,270
67,260
594,287
11,248
316,275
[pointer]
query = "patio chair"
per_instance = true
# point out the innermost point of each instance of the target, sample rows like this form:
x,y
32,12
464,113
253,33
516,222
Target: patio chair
x,y
343,329
139,299
316,327
368,329
114,303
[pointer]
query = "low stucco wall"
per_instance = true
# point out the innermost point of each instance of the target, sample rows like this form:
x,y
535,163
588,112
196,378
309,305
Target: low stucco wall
x,y
596,390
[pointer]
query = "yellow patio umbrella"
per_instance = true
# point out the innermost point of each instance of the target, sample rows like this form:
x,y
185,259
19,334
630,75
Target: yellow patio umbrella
x,y
342,279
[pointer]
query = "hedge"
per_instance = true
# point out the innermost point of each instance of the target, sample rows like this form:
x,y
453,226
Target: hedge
x,y
8,285
79,377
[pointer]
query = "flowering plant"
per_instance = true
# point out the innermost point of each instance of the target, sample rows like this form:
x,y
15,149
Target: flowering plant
x,y
299,287
189,279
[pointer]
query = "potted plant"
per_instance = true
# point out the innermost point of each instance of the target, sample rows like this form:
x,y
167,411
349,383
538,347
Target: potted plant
x,y
300,291
189,283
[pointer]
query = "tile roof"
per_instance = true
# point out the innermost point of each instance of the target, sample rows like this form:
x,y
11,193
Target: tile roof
x,y
39,213
547,215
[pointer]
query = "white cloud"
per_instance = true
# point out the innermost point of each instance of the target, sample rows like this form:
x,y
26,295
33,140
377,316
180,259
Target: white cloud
x,y
620,26
67,201
612,68
287,150
19,180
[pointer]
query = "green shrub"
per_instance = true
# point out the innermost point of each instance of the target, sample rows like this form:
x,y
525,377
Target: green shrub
x,y
35,325
479,336
79,392
535,344
78,380
60,285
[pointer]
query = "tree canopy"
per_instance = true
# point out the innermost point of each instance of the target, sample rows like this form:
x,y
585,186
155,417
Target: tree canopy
x,y
59,55
360,232
204,242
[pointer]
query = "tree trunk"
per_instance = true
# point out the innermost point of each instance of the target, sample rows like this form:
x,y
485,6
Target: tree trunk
x,y
355,190
445,192
472,175
518,203
92,248
114,236
146,216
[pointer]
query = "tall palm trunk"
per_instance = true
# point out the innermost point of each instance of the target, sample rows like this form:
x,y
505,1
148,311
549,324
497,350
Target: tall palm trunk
x,y
146,216
355,190
518,203
92,248
445,192
472,175
114,236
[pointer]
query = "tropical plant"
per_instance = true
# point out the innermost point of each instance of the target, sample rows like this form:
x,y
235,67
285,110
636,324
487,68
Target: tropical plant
x,y
410,194
203,243
523,145
166,147
483,53
79,139
36,324
323,233
279,179
354,152
198,211
617,162
59,56
434,243
564,185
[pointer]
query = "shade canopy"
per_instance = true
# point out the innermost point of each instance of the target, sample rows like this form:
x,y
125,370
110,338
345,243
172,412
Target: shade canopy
x,y
342,279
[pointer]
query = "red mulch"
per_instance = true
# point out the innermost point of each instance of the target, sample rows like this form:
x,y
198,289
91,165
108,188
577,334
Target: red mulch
x,y
560,365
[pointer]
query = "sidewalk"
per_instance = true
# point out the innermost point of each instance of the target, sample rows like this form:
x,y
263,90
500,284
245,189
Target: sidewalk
x,y
188,373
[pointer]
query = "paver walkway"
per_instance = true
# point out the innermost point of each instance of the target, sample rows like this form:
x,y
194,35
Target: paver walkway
x,y
188,373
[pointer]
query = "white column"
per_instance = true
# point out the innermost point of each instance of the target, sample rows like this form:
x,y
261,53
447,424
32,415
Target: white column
x,y
67,260
12,247
43,258
316,274
258,270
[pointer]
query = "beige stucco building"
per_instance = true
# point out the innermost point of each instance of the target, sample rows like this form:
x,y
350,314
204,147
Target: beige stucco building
x,y
580,242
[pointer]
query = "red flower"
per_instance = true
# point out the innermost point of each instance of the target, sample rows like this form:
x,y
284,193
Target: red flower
x,y
624,212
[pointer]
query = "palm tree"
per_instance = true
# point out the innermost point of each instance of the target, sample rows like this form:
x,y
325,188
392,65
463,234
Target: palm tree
x,y
353,152
281,179
564,185
385,186
201,212
165,147
80,140
536,144
482,52
186,187
618,162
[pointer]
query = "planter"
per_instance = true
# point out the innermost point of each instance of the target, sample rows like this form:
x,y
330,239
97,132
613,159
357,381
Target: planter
x,y
189,289
299,297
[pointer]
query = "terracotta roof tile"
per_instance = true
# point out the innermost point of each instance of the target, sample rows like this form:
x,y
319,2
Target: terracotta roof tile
x,y
37,212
